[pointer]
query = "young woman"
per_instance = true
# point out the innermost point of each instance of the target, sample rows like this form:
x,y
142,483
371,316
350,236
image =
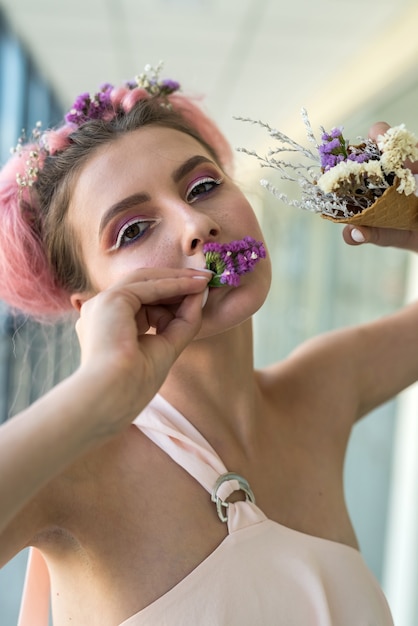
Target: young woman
x,y
166,481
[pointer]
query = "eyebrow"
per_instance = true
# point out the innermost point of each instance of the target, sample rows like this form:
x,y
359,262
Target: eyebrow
x,y
119,207
188,166
140,198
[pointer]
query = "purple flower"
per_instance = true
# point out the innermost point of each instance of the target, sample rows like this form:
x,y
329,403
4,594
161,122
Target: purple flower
x,y
360,157
333,150
99,106
79,109
231,260
87,107
335,133
168,86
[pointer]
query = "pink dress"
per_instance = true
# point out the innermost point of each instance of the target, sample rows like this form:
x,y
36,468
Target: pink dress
x,y
262,573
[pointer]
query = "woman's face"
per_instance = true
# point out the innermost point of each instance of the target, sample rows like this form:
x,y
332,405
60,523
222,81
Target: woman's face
x,y
153,198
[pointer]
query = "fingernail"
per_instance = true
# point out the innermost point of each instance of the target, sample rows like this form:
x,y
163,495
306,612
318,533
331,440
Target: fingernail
x,y
203,269
205,296
357,236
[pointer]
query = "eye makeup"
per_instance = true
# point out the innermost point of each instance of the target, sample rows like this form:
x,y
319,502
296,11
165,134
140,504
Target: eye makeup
x,y
130,231
201,186
121,227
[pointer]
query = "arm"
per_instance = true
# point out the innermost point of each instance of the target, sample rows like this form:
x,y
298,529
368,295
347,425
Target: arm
x,y
122,368
336,378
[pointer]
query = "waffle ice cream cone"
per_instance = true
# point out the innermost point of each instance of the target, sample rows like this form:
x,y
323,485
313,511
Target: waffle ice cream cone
x,y
391,210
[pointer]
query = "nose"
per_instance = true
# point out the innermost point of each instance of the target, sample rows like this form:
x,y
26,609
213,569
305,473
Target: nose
x,y
198,229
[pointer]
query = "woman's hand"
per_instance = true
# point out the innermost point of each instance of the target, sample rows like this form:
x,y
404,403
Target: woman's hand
x,y
131,334
406,239
123,366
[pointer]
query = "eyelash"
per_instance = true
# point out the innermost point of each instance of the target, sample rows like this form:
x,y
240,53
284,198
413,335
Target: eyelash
x,y
214,182
122,232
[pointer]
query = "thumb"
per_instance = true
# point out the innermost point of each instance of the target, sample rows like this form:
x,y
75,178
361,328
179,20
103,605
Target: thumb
x,y
186,323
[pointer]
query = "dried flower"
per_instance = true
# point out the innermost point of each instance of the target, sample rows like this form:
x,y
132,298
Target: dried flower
x,y
339,179
99,105
92,107
33,157
230,261
397,145
88,107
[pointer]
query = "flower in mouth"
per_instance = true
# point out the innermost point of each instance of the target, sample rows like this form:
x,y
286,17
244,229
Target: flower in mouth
x,y
230,261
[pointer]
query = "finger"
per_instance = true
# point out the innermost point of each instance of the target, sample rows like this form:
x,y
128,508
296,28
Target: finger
x,y
167,345
379,236
183,328
158,273
379,128
159,317
159,291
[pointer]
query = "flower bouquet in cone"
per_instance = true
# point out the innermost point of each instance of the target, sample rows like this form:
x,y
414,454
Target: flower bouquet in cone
x,y
366,184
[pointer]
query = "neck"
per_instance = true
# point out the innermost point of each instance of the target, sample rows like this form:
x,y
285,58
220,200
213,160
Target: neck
x,y
213,383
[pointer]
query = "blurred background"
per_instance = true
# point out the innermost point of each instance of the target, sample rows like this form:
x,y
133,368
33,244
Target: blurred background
x,y
350,63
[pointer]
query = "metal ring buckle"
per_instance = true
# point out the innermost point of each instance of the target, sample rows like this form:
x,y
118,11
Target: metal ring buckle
x,y
243,486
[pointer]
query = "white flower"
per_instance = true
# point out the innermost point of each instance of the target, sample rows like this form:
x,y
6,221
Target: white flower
x,y
351,172
397,145
407,184
331,180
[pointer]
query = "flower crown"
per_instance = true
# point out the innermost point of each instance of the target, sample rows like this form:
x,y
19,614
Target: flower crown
x,y
106,104
100,106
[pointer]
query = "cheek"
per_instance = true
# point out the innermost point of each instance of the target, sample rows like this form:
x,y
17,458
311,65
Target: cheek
x,y
242,215
115,268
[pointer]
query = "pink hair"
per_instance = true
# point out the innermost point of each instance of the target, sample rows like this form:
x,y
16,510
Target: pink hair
x,y
206,128
27,280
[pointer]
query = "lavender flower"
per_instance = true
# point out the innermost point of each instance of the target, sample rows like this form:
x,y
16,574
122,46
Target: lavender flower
x,y
333,150
168,86
232,260
88,107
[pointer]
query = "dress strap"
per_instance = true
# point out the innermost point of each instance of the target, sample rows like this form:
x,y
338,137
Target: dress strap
x,y
34,608
174,434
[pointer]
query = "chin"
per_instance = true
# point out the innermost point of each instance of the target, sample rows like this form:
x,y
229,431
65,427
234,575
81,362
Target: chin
x,y
229,307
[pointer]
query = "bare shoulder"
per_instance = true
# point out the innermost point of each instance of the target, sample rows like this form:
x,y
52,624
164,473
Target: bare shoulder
x,y
314,375
342,375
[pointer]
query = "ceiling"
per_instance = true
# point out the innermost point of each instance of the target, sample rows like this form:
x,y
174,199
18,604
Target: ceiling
x,y
258,58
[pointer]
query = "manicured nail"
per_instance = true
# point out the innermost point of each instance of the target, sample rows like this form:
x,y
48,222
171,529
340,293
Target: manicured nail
x,y
203,269
357,236
205,296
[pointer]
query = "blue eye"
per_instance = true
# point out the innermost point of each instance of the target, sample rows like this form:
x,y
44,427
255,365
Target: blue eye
x,y
201,187
131,231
